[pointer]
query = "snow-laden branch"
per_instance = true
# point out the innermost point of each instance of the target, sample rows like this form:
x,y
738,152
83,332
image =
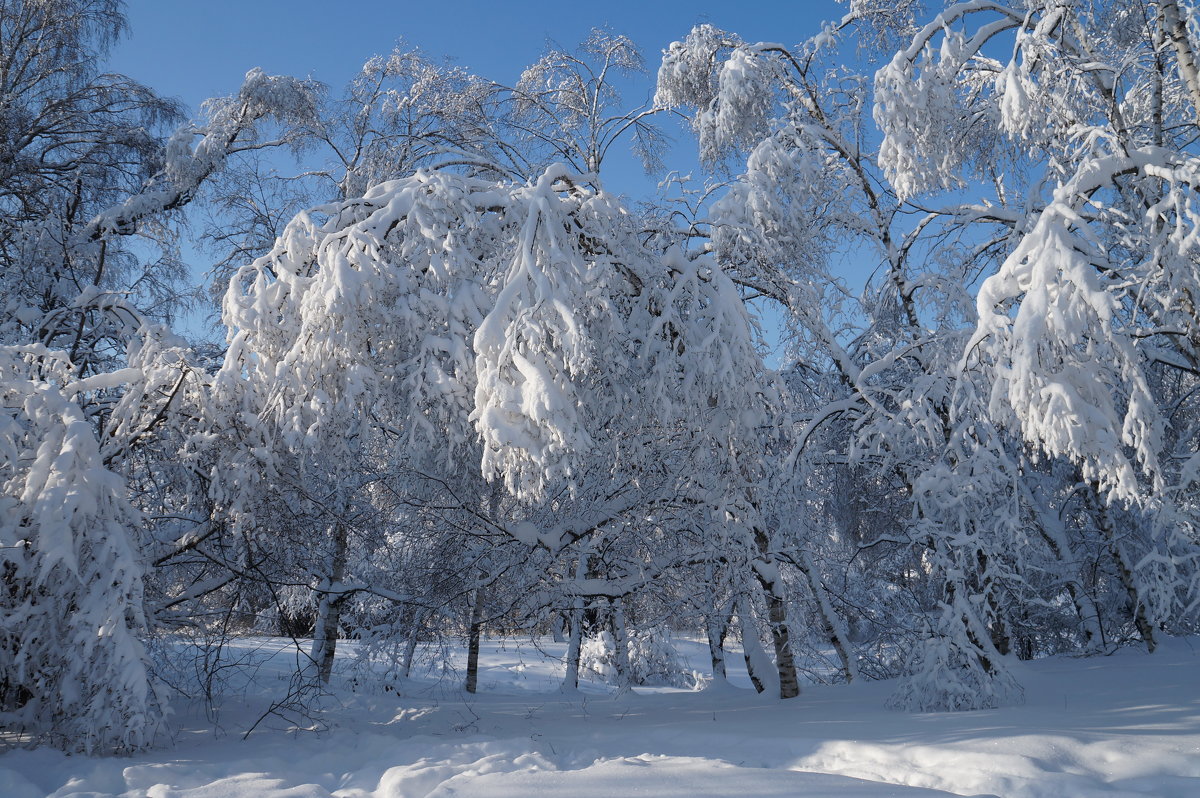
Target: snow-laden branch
x,y
232,126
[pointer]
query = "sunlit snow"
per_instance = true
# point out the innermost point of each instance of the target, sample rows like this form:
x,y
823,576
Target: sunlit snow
x,y
1125,725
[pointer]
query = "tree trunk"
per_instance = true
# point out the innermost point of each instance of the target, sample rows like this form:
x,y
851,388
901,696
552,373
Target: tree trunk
x,y
716,625
789,684
758,664
571,680
834,628
716,645
473,636
998,628
959,596
1124,571
767,573
1089,615
621,648
560,628
329,610
410,645
1174,29
1050,528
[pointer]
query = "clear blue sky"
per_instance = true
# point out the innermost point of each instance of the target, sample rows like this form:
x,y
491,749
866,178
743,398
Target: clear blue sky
x,y
193,50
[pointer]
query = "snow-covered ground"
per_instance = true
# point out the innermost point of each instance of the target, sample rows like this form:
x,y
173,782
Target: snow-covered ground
x,y
1124,725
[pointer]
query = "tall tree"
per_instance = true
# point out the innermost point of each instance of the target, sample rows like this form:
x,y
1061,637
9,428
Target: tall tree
x,y
84,165
1085,330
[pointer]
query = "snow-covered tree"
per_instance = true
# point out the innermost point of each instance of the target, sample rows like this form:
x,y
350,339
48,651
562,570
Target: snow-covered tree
x,y
525,327
812,186
1084,329
84,169
75,142
567,108
72,666
401,111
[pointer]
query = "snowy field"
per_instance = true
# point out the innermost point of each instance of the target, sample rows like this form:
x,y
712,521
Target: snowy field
x,y
1124,725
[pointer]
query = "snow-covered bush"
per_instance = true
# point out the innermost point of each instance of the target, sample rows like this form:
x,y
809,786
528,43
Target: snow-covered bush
x,y
653,660
597,657
947,672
